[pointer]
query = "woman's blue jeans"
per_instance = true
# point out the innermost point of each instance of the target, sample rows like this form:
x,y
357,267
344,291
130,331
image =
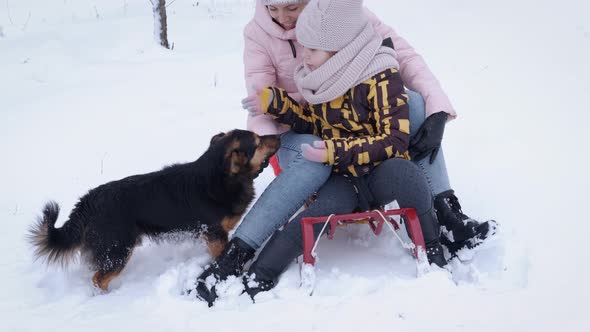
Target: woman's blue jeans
x,y
300,178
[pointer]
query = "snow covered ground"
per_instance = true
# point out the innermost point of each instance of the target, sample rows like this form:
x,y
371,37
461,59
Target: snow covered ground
x,y
87,97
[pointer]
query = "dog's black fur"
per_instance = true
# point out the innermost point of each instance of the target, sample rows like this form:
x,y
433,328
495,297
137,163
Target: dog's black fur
x,y
107,222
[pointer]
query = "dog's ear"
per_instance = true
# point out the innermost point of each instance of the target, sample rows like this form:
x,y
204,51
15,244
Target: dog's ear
x,y
237,161
216,138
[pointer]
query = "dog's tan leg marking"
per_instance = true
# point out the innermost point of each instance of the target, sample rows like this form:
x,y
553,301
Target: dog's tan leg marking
x,y
101,279
228,223
216,247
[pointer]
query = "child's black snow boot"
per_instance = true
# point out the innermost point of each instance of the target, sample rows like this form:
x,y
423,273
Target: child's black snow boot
x,y
254,285
276,256
434,252
431,234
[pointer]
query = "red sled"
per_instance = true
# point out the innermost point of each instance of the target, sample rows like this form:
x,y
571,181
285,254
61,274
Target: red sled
x,y
376,219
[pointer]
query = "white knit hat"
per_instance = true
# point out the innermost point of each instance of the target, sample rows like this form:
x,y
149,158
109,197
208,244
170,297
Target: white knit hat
x,y
281,2
330,25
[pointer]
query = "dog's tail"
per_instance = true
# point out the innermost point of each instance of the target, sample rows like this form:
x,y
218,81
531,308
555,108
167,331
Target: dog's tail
x,y
55,245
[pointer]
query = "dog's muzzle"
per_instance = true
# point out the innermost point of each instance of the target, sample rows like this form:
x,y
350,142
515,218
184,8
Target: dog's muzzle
x,y
263,165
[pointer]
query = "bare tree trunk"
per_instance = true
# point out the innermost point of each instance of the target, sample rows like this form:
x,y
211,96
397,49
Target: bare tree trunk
x,y
160,25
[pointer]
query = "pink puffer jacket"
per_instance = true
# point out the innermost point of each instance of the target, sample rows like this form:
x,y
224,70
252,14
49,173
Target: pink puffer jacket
x,y
271,55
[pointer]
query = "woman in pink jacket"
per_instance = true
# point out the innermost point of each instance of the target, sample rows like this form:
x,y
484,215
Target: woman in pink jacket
x,y
271,55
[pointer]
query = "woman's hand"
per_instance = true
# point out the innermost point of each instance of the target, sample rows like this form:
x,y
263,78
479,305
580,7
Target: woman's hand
x,y
429,137
316,153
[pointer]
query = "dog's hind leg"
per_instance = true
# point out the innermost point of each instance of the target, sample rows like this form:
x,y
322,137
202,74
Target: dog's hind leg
x,y
111,266
101,279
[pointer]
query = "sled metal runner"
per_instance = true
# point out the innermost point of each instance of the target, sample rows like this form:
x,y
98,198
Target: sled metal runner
x,y
376,219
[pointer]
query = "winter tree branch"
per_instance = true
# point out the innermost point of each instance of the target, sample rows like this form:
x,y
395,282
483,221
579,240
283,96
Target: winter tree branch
x,y
97,14
8,13
26,22
10,17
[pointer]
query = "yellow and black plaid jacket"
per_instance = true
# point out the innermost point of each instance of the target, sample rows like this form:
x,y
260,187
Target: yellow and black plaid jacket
x,y
367,125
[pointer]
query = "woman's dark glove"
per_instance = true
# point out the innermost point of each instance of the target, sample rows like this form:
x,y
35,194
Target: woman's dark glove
x,y
428,138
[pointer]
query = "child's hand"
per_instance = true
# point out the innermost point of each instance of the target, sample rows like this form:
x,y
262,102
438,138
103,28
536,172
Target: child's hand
x,y
317,152
253,103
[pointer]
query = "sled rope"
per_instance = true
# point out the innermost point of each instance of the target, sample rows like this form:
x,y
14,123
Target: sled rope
x,y
313,254
404,244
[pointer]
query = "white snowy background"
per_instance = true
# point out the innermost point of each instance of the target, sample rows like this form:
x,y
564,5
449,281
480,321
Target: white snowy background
x,y
87,97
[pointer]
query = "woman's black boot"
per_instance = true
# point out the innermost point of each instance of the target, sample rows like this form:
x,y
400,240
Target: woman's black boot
x,y
230,262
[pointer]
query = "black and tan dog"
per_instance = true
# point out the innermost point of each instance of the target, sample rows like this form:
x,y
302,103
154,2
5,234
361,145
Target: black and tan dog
x,y
210,193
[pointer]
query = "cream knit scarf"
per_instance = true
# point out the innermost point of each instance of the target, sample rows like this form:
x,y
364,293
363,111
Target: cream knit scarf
x,y
363,58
